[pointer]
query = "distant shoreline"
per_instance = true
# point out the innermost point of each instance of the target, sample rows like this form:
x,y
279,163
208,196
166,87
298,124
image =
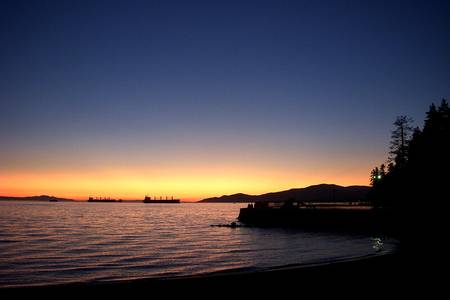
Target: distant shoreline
x,y
313,193
42,198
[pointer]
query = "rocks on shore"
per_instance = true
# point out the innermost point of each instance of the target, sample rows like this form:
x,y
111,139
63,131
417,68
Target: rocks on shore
x,y
231,225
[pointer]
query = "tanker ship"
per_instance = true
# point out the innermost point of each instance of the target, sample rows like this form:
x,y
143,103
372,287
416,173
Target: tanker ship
x,y
148,199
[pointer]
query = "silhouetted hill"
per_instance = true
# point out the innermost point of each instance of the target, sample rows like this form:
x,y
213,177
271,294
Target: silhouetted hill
x,y
34,198
313,193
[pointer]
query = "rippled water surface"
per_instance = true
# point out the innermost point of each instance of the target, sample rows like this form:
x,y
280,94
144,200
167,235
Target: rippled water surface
x,y
51,243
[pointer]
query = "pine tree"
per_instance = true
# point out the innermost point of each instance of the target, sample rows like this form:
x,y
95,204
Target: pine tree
x,y
374,176
400,138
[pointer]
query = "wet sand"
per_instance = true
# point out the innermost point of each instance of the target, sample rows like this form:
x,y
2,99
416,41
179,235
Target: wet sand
x,y
371,275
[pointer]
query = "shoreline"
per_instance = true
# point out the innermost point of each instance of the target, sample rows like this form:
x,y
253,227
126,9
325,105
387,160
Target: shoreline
x,y
315,274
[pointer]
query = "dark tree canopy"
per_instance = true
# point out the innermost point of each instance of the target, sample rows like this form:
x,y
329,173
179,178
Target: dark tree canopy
x,y
416,183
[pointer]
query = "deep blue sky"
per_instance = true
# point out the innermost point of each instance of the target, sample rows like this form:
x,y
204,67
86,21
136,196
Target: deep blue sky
x,y
145,83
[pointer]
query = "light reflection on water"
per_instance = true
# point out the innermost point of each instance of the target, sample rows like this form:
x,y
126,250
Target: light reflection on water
x,y
42,243
377,244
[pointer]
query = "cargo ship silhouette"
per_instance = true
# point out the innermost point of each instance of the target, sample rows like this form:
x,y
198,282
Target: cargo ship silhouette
x,y
148,199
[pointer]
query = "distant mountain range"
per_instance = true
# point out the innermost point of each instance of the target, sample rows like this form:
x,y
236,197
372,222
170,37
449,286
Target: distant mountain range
x,y
34,198
313,193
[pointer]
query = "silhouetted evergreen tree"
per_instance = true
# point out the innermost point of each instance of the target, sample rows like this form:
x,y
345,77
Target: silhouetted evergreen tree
x,y
400,138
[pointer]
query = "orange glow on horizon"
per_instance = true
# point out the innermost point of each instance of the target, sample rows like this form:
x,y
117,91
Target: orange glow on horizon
x,y
187,185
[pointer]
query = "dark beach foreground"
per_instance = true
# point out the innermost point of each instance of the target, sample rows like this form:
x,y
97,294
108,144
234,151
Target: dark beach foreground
x,y
372,276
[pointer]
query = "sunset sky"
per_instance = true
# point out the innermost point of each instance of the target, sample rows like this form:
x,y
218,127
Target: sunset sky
x,y
197,99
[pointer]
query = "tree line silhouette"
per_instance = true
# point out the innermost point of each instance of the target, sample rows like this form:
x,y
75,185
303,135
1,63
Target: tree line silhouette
x,y
414,183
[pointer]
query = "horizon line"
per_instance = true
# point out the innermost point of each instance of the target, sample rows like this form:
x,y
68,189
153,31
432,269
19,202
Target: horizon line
x,y
188,199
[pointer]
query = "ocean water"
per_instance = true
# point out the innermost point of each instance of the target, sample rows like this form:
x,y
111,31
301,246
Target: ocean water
x,y
63,242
